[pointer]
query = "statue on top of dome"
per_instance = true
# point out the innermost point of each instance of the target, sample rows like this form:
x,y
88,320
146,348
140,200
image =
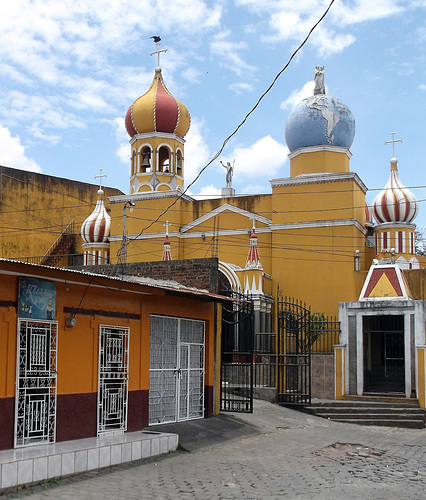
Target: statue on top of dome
x,y
319,81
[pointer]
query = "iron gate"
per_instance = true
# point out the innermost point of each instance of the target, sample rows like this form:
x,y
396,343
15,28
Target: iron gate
x,y
176,369
294,353
35,416
113,379
237,355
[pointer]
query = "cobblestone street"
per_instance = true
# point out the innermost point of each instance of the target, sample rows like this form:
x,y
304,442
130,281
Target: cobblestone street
x,y
293,455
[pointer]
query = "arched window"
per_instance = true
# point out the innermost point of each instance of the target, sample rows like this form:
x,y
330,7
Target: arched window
x,y
164,160
134,166
179,163
145,155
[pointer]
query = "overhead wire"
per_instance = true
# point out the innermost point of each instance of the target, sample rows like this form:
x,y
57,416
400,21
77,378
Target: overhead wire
x,y
242,122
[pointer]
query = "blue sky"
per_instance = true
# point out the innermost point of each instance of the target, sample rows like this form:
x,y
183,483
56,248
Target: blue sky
x,y
71,69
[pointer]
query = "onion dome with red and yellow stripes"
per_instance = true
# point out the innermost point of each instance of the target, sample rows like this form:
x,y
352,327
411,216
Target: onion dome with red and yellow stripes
x,y
157,111
96,228
395,203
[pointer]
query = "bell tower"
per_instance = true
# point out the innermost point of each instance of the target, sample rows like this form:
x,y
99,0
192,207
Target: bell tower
x,y
157,123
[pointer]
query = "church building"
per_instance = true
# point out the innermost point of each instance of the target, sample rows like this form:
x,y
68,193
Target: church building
x,y
312,238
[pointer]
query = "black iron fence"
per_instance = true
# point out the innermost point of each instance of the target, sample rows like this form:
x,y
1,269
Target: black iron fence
x,y
327,332
237,355
265,360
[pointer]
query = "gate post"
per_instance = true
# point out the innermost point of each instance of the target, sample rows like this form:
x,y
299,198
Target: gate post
x,y
339,371
421,375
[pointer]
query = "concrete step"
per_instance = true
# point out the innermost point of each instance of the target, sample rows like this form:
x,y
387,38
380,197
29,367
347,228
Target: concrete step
x,y
387,411
406,424
408,403
379,416
383,398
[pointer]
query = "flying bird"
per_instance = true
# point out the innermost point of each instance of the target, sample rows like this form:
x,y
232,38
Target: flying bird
x,y
156,38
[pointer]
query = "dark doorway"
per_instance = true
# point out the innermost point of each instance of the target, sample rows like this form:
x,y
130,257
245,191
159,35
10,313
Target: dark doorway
x,y
236,393
384,362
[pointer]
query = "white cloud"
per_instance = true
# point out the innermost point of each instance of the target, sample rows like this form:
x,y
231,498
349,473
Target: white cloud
x,y
241,87
298,95
266,156
329,42
197,153
358,11
228,52
123,150
12,153
209,191
291,20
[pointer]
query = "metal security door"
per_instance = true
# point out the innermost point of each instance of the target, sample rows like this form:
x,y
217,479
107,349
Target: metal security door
x,y
35,411
294,353
191,367
236,393
176,374
113,379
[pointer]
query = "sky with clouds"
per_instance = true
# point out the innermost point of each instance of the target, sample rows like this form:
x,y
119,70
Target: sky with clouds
x,y
70,70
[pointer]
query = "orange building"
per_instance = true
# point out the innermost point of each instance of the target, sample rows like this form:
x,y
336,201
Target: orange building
x,y
85,354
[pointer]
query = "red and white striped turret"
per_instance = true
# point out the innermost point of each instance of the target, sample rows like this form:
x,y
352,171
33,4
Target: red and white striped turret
x,y
166,247
395,203
96,228
253,258
95,232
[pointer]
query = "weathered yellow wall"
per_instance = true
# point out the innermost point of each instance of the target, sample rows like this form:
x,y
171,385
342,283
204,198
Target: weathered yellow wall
x,y
36,208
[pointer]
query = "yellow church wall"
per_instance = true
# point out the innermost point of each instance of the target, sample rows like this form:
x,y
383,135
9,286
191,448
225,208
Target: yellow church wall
x,y
316,265
231,247
319,160
36,208
318,201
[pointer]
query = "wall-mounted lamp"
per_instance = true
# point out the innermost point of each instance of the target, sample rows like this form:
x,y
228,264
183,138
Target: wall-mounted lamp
x,y
357,261
71,322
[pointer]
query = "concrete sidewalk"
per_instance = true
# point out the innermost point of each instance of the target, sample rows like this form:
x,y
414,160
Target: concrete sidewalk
x,y
197,434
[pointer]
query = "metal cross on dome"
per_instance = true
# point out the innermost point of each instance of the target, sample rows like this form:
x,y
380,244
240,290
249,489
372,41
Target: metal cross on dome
x,y
100,177
393,141
157,41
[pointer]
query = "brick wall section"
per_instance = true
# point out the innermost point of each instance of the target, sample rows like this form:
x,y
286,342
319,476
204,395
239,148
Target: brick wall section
x,y
322,385
196,273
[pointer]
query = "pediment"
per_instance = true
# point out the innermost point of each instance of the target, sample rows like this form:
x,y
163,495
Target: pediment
x,y
241,220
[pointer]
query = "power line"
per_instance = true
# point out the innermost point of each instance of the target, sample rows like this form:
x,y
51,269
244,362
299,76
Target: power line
x,y
225,142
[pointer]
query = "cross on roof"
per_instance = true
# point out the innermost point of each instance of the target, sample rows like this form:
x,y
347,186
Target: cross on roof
x,y
157,41
393,141
167,224
100,177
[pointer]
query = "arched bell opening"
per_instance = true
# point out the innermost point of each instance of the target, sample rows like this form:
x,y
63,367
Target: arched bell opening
x,y
164,163
179,163
145,155
133,163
